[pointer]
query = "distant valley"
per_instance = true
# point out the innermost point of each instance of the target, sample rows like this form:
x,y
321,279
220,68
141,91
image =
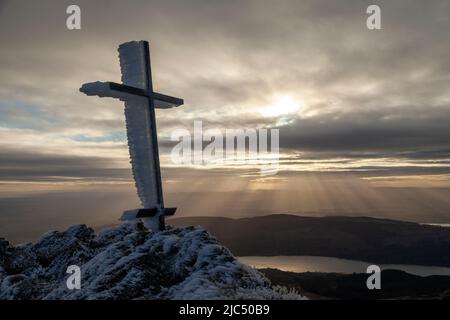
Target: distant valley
x,y
360,238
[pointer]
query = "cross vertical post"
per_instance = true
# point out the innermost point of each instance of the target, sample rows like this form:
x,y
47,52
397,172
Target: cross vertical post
x,y
161,220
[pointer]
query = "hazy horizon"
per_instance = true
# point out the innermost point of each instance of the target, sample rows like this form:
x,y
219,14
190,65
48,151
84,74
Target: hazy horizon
x,y
25,215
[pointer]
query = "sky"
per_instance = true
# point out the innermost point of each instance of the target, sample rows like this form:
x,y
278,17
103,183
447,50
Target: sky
x,y
363,115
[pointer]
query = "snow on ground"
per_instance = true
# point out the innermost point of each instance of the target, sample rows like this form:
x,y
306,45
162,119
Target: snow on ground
x,y
130,262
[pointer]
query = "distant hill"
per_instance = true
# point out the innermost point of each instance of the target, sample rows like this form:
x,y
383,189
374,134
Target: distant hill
x,y
361,238
395,284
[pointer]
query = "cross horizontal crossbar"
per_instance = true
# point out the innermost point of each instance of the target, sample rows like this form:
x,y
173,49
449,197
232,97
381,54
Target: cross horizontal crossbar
x,y
146,213
162,101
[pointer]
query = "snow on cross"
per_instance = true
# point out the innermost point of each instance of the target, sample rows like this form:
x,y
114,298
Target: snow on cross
x,y
140,103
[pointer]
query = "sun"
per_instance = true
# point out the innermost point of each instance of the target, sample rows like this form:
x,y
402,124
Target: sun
x,y
282,105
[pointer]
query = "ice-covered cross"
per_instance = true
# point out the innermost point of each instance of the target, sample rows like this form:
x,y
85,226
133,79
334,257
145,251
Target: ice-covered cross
x,y
140,103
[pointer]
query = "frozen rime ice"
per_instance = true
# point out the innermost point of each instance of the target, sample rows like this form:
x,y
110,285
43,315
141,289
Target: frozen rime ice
x,y
140,144
130,262
138,120
139,127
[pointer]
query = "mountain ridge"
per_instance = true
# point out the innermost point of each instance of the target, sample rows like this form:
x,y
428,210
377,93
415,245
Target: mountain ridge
x,y
130,262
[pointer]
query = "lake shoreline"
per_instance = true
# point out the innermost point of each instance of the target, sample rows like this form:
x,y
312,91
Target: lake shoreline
x,y
395,284
320,264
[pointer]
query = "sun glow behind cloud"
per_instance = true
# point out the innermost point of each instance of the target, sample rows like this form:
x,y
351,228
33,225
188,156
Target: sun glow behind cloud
x,y
282,106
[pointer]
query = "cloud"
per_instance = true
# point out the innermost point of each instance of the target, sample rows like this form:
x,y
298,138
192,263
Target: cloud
x,y
364,94
16,165
372,130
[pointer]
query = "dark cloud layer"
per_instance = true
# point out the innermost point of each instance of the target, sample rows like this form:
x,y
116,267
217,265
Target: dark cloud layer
x,y
369,131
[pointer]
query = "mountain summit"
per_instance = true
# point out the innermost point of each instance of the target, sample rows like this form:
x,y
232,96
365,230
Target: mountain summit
x,y
130,262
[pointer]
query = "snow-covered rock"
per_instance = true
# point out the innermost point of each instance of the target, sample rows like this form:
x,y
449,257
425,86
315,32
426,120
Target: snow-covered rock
x,y
130,262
